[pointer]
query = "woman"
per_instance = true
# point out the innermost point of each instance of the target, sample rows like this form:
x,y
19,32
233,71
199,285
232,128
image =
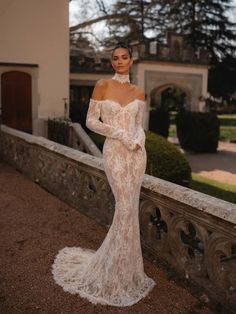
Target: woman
x,y
114,273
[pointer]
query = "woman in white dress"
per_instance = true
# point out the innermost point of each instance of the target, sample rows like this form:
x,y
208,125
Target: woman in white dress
x,y
114,274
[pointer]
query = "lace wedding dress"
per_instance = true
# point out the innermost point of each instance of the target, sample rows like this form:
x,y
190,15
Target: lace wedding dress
x,y
113,274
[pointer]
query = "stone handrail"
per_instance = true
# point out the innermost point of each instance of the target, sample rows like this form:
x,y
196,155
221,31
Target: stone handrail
x,y
194,232
72,135
80,140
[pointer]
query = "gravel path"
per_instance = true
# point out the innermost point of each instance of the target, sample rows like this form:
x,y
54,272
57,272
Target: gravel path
x,y
34,225
220,166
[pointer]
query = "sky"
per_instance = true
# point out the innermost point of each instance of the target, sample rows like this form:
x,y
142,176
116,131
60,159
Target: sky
x,y
75,9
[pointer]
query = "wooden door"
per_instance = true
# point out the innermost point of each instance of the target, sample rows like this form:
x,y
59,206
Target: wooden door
x,y
17,100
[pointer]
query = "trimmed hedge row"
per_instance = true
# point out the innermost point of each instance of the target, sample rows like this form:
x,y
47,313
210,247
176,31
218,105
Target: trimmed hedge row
x,y
164,160
159,121
198,131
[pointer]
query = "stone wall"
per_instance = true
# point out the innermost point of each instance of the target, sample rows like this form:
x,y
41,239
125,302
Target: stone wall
x,y
193,232
30,43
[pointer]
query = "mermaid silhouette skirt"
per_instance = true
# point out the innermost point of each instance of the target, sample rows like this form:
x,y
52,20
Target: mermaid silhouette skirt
x,y
113,274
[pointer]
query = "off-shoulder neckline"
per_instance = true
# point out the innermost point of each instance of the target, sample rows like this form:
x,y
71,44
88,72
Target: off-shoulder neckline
x,y
116,102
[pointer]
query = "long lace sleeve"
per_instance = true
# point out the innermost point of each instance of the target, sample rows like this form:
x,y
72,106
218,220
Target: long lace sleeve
x,y
140,135
94,124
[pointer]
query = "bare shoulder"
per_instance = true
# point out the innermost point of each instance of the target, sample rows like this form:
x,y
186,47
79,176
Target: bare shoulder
x,y
100,89
139,93
101,83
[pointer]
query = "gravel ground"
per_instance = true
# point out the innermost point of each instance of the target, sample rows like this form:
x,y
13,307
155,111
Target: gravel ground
x,y
34,225
219,167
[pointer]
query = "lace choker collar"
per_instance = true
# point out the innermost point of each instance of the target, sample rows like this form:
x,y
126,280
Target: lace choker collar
x,y
121,78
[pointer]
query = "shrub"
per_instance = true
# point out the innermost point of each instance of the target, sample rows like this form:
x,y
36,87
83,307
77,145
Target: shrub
x,y
159,121
198,131
164,160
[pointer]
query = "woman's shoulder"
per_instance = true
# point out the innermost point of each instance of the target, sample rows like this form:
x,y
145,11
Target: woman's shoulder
x,y
101,83
100,89
139,92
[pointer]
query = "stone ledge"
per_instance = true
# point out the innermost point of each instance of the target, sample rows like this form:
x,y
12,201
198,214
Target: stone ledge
x,y
200,201
55,147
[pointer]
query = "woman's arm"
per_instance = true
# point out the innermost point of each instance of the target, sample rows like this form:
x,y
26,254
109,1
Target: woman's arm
x,y
94,124
140,135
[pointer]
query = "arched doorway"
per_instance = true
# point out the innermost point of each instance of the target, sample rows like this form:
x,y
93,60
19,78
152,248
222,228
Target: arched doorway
x,y
165,101
167,93
16,101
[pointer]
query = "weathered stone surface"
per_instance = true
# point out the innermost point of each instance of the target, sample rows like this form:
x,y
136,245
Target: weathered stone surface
x,y
200,201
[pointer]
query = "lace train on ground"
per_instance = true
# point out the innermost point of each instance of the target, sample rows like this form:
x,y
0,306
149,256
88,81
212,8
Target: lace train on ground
x,y
114,273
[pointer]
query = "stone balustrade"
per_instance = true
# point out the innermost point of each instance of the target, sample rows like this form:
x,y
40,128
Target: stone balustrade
x,y
80,140
193,232
72,135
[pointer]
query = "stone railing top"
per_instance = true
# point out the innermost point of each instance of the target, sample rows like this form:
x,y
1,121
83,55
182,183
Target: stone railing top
x,y
202,202
56,147
79,131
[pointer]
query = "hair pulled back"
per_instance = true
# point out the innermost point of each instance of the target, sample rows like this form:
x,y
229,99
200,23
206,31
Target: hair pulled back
x,y
124,46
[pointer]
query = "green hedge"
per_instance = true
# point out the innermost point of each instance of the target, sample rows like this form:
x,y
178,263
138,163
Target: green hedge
x,y
164,160
159,121
198,131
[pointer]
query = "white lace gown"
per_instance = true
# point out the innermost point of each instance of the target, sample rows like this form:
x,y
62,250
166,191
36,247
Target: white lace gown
x,y
113,274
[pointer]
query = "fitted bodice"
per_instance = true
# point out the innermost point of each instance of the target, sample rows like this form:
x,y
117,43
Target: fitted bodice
x,y
120,116
123,123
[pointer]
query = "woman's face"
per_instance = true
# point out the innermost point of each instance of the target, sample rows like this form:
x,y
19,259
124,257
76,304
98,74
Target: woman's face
x,y
121,61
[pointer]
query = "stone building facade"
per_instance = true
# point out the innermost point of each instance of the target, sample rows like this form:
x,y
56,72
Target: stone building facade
x,y
34,62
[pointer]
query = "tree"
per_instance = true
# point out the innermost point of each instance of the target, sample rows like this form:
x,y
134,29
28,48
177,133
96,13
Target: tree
x,y
91,13
222,78
131,20
205,24
136,20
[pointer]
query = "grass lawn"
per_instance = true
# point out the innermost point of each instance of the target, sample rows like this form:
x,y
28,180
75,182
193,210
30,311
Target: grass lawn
x,y
227,119
172,130
227,127
227,133
214,188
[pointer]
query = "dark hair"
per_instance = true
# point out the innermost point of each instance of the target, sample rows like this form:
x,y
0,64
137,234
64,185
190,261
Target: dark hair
x,y
123,45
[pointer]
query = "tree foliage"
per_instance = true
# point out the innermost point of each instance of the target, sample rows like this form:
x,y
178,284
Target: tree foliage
x,y
138,20
205,23
222,78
